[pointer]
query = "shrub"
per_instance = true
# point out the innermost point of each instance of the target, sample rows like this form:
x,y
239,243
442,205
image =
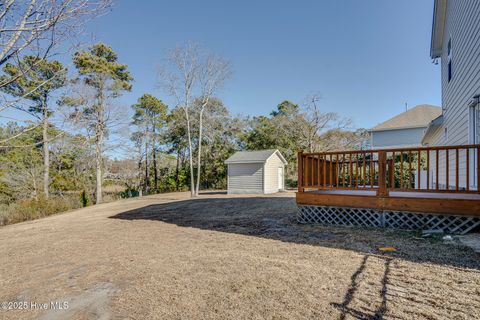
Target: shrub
x,y
129,193
84,198
33,209
291,183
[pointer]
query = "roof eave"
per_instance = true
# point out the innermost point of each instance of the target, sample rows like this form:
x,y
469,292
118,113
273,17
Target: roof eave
x,y
273,151
438,121
438,26
244,161
399,128
280,155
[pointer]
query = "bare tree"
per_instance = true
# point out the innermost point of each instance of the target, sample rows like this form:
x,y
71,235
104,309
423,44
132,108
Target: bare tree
x,y
37,26
314,123
190,75
213,73
127,172
178,78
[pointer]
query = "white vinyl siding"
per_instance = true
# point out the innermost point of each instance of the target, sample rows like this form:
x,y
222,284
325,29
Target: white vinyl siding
x,y
248,173
397,138
462,28
271,173
245,178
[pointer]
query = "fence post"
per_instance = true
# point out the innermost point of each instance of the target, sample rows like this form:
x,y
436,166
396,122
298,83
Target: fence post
x,y
382,172
300,170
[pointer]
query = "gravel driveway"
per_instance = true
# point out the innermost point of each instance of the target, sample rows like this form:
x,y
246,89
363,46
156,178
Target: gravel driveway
x,y
226,257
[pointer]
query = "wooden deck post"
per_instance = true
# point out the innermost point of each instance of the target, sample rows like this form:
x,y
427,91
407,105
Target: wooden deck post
x,y
300,170
382,172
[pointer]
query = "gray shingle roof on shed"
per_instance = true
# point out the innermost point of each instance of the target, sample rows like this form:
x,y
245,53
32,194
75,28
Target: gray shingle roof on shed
x,y
253,156
419,116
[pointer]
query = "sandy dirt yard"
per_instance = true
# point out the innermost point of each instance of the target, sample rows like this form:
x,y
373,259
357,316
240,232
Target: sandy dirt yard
x,y
224,257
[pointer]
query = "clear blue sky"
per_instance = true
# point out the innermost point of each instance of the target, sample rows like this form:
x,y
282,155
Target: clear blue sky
x,y
366,58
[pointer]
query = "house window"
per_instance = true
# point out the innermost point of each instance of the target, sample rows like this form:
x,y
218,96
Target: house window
x,y
449,66
449,70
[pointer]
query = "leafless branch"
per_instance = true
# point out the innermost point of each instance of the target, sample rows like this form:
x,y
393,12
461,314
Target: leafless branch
x,y
40,25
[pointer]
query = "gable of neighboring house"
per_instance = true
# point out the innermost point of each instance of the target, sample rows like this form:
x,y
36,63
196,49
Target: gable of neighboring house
x,y
406,129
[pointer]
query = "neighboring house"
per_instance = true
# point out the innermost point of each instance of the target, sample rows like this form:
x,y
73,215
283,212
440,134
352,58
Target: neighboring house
x,y
256,172
404,130
456,42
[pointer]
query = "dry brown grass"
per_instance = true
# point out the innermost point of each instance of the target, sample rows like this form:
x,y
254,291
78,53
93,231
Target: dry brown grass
x,y
219,257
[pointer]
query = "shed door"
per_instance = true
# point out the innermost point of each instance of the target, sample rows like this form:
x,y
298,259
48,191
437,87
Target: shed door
x,y
280,178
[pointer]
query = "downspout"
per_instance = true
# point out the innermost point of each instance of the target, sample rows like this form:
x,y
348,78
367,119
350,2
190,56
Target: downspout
x,y
472,133
473,103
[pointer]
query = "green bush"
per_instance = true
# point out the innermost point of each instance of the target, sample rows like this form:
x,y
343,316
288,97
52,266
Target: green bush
x,y
84,198
129,193
291,183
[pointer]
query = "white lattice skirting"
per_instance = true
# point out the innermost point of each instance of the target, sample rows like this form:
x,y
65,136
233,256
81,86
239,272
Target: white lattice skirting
x,y
385,219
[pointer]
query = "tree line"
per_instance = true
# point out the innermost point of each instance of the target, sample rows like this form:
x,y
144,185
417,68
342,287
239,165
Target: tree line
x,y
64,133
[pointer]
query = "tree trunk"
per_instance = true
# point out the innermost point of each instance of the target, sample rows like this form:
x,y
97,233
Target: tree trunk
x,y
99,135
190,155
199,155
98,166
34,182
140,174
154,154
146,160
46,154
155,170
177,171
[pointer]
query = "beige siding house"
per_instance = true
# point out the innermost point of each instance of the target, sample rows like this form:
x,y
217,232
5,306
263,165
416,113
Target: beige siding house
x,y
404,130
456,43
256,172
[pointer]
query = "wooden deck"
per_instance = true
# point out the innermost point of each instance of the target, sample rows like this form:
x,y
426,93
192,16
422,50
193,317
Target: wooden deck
x,y
438,180
420,202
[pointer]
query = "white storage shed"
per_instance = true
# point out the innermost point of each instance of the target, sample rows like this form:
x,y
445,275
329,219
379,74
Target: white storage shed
x,y
256,172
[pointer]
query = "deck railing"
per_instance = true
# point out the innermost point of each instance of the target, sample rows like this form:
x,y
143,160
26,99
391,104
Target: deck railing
x,y
423,169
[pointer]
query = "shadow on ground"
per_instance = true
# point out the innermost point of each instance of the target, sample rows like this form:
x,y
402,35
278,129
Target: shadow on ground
x,y
274,218
345,308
